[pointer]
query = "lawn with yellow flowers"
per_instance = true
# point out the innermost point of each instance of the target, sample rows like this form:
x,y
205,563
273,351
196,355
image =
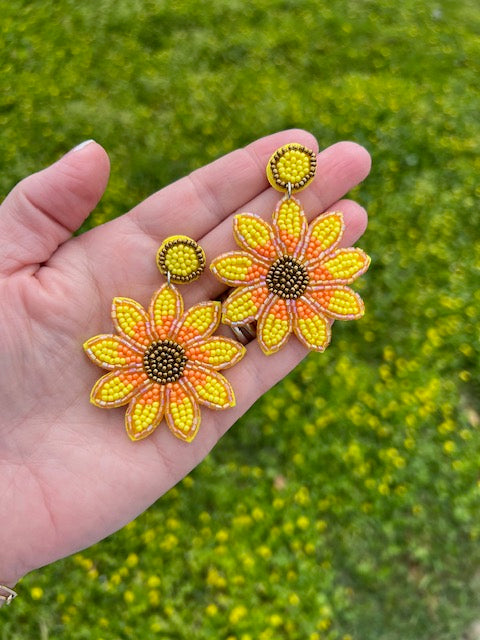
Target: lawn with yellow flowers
x,y
355,514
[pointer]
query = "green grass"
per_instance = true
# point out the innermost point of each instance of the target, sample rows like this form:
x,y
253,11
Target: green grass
x,y
352,515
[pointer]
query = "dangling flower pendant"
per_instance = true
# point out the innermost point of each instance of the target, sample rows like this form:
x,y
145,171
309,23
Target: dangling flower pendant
x,y
290,277
163,363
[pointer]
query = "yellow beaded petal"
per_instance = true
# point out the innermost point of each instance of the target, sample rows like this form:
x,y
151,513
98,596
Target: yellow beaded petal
x,y
166,307
112,352
324,235
217,352
237,267
290,226
145,412
254,234
118,387
182,413
211,388
131,320
337,302
244,305
342,266
310,326
200,321
274,325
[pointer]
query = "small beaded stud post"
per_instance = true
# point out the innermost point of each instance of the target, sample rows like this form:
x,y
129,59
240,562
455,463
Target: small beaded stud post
x,y
290,277
181,258
164,362
293,165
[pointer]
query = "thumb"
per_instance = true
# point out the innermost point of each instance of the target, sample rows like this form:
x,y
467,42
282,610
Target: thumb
x,y
44,209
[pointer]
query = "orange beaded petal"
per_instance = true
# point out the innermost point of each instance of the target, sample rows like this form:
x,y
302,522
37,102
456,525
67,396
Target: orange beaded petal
x,y
182,414
145,412
342,266
166,306
211,388
324,235
311,326
217,352
239,268
275,325
118,387
244,305
131,320
290,226
255,235
200,321
112,352
338,302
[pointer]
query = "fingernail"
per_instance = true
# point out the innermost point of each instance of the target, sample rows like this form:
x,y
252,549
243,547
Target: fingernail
x,y
82,145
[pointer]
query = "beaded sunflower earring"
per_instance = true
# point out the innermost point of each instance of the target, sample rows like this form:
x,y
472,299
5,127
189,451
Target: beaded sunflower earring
x,y
290,277
165,361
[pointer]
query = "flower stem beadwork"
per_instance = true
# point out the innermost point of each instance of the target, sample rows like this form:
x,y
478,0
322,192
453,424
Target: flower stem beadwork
x,y
290,277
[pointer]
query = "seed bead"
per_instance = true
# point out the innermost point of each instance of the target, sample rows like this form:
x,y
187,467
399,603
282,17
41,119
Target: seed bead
x,y
164,361
287,278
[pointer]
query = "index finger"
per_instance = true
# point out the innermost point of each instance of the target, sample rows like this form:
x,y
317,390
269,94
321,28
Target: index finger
x,y
195,204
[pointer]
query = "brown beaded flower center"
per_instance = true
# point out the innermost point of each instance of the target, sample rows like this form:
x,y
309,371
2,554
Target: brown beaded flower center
x,y
287,278
164,361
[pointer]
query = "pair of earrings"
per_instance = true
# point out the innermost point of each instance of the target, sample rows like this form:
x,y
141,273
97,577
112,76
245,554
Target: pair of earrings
x,y
287,278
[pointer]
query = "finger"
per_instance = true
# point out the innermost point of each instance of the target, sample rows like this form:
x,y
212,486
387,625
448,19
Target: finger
x,y
339,169
197,203
44,209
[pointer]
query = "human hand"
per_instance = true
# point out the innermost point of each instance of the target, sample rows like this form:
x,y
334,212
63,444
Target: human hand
x,y
70,475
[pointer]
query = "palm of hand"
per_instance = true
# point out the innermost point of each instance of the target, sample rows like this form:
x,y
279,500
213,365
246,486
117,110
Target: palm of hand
x,y
70,474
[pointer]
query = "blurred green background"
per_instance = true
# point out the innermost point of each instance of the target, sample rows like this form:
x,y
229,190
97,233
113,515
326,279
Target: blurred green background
x,y
353,515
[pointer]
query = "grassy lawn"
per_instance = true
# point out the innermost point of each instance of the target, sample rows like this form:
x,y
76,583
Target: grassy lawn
x,y
353,515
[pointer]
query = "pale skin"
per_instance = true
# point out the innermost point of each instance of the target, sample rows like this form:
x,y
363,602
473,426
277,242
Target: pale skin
x,y
70,475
